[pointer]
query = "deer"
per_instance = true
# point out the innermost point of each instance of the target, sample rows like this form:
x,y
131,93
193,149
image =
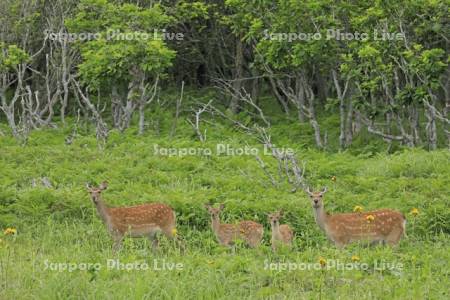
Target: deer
x,y
281,234
145,220
379,226
227,234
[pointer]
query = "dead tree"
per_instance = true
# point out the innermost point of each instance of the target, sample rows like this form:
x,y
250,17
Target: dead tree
x,y
195,123
63,57
345,110
147,96
177,111
101,128
228,88
16,79
288,166
302,97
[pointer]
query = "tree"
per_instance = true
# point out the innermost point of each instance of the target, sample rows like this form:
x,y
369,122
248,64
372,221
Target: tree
x,y
125,57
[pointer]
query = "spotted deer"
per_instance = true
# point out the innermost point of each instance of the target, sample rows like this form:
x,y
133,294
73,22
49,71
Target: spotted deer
x,y
144,220
280,233
379,226
227,234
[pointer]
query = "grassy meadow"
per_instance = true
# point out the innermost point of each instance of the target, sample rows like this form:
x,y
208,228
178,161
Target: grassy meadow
x,y
58,227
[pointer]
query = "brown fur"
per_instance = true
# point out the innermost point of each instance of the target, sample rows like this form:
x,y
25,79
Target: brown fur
x,y
227,234
387,226
280,233
135,221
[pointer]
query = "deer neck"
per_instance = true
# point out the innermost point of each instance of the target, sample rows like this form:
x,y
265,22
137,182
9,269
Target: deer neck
x,y
215,224
276,235
102,210
321,217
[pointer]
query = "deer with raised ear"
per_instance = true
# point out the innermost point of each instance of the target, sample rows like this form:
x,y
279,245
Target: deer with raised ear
x,y
281,234
144,220
227,234
379,226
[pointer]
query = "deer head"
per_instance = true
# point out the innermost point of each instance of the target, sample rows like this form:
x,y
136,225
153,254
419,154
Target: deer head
x,y
96,191
214,212
316,197
274,218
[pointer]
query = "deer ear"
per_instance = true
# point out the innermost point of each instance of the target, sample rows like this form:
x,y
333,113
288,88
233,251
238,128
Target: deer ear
x,y
88,186
324,190
222,206
103,185
207,206
280,212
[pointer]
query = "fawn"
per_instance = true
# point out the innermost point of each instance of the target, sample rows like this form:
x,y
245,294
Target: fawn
x,y
385,225
280,233
249,231
135,221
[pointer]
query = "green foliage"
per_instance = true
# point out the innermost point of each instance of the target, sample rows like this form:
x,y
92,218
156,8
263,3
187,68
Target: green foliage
x,y
387,78
403,181
128,41
10,57
60,224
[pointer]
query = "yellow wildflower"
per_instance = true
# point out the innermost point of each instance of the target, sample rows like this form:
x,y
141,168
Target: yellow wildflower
x,y
414,211
9,230
358,208
322,262
355,258
370,218
174,232
333,178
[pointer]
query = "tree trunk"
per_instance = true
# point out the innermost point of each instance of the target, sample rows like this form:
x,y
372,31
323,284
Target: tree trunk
x,y
255,91
237,81
342,135
313,119
445,88
349,124
431,127
342,116
141,118
8,110
414,121
65,81
278,95
300,95
115,106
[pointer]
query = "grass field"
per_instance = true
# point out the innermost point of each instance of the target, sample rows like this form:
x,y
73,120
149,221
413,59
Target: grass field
x,y
58,227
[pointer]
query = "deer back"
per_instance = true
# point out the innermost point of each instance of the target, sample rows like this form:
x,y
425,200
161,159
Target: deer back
x,y
373,224
154,214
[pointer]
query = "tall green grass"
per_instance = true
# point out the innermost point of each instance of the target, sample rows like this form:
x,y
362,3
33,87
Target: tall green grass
x,y
60,224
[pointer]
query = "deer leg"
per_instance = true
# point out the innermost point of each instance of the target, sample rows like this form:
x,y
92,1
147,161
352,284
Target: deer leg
x,y
274,247
224,242
394,237
392,243
171,233
233,248
339,245
118,238
253,243
154,240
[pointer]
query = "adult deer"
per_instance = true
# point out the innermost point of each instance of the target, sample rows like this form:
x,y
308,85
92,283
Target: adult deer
x,y
281,234
385,225
227,234
144,220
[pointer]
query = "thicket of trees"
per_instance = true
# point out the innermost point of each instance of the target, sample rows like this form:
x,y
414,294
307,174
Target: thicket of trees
x,y
383,64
